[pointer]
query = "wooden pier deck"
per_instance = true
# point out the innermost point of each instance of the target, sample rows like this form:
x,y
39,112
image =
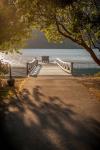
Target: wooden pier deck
x,y
49,69
52,70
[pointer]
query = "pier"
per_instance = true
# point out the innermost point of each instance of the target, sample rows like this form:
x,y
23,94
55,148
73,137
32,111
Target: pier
x,y
38,68
57,67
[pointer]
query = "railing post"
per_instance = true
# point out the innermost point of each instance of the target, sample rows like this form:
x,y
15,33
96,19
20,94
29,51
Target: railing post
x,y
10,72
11,80
72,68
27,69
36,62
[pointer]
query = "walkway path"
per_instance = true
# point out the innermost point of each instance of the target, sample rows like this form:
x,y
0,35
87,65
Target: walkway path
x,y
53,113
52,70
48,69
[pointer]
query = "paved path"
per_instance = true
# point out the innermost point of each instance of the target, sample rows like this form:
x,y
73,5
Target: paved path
x,y
53,113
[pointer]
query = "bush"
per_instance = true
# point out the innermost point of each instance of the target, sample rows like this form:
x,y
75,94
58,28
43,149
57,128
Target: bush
x,y
97,74
4,68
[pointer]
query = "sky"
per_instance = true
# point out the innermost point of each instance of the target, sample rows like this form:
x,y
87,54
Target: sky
x,y
39,41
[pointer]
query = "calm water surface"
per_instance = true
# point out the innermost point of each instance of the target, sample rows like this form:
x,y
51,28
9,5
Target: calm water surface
x,y
73,55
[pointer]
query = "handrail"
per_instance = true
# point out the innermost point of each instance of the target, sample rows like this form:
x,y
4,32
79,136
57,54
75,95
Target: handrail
x,y
66,66
31,65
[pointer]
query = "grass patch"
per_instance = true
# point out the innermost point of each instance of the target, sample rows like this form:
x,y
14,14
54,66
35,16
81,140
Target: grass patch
x,y
92,83
6,91
97,74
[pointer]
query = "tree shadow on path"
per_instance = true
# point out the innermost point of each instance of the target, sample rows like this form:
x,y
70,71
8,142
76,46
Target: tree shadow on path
x,y
34,122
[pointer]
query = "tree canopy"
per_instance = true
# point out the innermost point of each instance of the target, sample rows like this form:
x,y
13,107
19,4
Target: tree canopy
x,y
77,20
13,29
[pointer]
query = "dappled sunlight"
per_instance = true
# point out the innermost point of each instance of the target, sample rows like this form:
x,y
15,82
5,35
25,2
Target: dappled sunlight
x,y
69,125
37,119
37,94
54,137
30,118
13,109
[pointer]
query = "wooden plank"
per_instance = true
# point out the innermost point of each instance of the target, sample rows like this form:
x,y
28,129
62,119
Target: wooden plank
x,y
52,70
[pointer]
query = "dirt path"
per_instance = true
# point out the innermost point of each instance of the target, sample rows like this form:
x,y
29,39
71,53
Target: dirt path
x,y
53,113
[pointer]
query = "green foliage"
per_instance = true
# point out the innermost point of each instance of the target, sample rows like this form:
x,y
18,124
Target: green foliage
x,y
97,74
4,68
14,30
77,20
78,17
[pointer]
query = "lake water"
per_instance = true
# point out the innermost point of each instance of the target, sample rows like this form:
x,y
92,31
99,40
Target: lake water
x,y
73,55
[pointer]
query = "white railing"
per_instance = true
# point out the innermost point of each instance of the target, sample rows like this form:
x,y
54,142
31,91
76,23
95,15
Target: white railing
x,y
31,65
66,66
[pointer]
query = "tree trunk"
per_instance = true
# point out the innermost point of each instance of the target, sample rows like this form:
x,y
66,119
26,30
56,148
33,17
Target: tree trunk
x,y
81,43
92,53
88,49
